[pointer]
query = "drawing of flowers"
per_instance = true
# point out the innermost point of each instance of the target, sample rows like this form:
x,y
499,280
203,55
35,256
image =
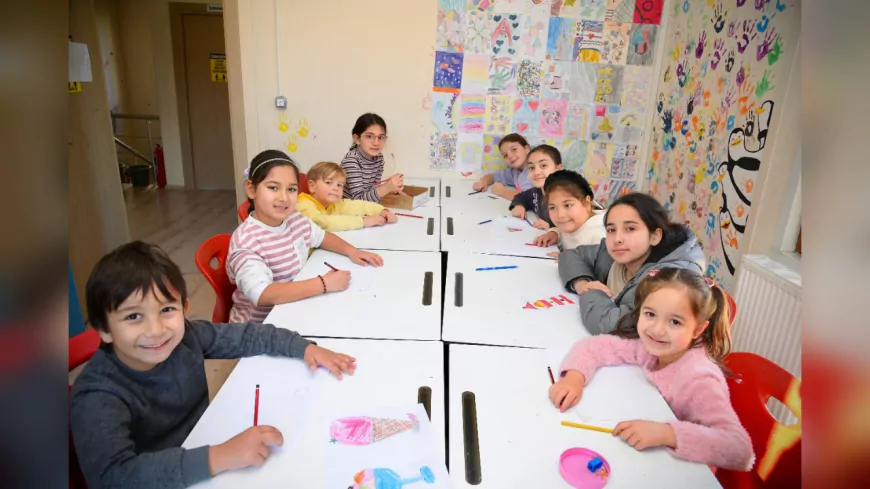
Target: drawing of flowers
x,y
477,33
451,30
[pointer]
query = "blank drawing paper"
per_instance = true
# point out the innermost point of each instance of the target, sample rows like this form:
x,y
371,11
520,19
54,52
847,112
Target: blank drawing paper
x,y
361,277
382,448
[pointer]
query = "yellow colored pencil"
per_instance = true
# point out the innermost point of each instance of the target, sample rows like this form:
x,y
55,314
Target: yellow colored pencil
x,y
586,427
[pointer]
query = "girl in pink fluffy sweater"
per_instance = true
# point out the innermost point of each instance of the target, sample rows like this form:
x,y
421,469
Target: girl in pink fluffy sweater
x,y
678,335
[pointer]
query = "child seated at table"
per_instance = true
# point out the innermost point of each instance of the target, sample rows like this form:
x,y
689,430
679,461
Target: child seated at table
x,y
507,183
544,160
326,207
572,208
678,335
364,163
271,246
145,388
639,238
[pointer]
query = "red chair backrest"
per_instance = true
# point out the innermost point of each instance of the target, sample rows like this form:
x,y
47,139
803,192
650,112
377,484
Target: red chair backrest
x,y
244,207
733,306
216,248
777,447
81,348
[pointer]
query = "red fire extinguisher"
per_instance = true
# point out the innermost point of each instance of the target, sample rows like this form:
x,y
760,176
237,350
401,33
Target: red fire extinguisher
x,y
161,166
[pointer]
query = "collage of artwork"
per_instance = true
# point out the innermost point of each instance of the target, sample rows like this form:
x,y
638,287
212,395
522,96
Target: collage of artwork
x,y
576,74
714,110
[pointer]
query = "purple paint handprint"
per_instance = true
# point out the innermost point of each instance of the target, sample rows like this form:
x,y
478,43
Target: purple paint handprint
x,y
682,74
702,41
679,69
728,100
759,4
741,75
748,34
764,47
740,3
732,28
718,51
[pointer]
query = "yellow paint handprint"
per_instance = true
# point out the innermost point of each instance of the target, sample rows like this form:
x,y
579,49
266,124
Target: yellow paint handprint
x,y
303,129
283,125
292,147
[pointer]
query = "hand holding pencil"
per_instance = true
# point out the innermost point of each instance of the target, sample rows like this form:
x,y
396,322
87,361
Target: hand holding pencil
x,y
567,391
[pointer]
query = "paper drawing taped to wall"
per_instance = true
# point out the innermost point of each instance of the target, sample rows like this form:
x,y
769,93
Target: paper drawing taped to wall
x,y
505,40
510,6
469,152
444,111
589,41
574,155
608,87
582,81
492,159
560,39
529,77
475,73
606,118
635,85
587,9
641,40
598,161
618,188
498,114
442,151
525,116
649,11
629,128
533,35
615,47
555,84
472,109
581,116
620,10
478,33
503,76
448,72
553,115
451,30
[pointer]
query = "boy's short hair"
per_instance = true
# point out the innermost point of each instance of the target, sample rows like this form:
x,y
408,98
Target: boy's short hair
x,y
130,268
325,169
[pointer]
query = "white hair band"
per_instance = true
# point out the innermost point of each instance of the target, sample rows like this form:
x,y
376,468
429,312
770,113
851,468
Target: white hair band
x,y
249,175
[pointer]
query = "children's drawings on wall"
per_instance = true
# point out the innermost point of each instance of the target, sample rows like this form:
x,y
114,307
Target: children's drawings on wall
x,y
587,9
444,112
574,155
525,116
629,128
475,73
503,76
480,5
620,10
555,83
529,77
448,72
582,81
606,119
534,36
442,151
492,159
581,116
597,164
608,87
478,33
469,152
498,114
650,11
451,30
589,41
510,6
618,188
635,85
553,115
560,39
506,39
472,109
641,39
615,48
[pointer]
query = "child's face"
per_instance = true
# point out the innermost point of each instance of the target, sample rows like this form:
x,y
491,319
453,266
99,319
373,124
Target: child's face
x,y
329,190
514,154
568,212
145,329
372,140
667,326
274,197
540,167
628,239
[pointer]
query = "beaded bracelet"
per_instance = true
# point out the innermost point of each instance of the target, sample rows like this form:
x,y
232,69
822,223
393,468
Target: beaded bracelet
x,y
322,282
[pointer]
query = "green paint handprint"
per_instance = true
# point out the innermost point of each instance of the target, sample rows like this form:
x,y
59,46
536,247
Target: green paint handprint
x,y
765,85
775,52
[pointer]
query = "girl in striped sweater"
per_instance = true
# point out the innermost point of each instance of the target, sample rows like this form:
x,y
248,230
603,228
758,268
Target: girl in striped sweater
x,y
271,246
364,163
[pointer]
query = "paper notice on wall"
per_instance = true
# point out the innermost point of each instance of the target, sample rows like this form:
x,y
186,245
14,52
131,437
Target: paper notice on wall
x,y
79,63
218,67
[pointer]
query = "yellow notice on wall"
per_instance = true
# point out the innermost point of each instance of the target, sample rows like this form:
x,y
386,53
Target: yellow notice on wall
x,y
218,67
74,87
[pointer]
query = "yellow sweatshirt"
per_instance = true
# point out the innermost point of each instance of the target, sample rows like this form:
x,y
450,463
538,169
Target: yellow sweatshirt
x,y
344,215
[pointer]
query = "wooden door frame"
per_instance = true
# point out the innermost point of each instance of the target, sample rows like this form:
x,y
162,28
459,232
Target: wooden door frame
x,y
176,11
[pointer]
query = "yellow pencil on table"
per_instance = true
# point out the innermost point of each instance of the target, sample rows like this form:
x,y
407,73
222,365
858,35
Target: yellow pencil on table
x,y
587,427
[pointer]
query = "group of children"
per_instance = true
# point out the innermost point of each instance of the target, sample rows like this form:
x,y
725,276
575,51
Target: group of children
x,y
639,278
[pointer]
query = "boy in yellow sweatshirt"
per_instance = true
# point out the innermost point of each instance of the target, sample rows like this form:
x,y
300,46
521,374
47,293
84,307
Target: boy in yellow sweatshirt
x,y
326,207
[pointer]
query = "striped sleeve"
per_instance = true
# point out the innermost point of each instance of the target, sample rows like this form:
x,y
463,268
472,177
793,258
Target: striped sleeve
x,y
248,270
360,181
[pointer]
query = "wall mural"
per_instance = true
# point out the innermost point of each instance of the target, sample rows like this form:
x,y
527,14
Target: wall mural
x,y
714,111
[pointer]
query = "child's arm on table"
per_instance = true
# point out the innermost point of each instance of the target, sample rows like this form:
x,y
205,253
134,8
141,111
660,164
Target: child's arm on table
x,y
484,182
335,244
254,279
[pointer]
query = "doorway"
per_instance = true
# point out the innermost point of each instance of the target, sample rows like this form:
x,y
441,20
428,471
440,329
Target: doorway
x,y
203,98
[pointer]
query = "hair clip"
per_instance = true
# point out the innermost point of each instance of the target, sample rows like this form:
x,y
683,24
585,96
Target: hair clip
x,y
247,173
710,282
652,273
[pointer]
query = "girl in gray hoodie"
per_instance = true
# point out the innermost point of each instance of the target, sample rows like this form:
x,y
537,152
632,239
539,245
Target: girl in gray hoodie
x,y
639,237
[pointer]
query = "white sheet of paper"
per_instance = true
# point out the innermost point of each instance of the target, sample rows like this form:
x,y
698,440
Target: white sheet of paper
x,y
407,457
79,63
361,277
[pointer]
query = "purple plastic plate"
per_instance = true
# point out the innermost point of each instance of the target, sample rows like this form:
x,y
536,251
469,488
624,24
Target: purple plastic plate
x,y
572,467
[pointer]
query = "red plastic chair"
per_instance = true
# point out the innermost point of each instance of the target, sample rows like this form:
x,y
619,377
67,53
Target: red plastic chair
x,y
777,446
733,305
244,207
216,248
81,348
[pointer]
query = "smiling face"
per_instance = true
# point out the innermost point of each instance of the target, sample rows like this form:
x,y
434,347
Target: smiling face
x,y
568,212
514,154
629,241
541,165
372,140
667,326
329,190
275,197
145,328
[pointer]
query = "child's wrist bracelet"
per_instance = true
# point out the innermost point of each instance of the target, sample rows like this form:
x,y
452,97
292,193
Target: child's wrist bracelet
x,y
322,282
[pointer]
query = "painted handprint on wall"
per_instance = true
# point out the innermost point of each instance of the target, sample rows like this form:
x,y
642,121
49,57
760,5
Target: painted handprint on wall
x,y
718,19
747,35
765,46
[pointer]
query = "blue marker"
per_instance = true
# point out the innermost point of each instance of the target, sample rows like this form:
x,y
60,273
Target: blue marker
x,y
494,268
484,222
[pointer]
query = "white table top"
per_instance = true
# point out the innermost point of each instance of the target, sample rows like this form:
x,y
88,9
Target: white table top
x,y
391,308
434,185
519,431
408,234
493,302
463,196
389,373
504,235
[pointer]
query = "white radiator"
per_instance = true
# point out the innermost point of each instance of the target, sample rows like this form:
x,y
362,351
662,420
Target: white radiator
x,y
768,319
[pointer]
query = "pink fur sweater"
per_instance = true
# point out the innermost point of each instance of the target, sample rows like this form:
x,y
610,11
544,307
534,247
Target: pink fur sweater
x,y
708,430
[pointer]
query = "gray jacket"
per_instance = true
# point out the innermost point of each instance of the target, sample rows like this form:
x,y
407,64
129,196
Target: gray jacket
x,y
599,312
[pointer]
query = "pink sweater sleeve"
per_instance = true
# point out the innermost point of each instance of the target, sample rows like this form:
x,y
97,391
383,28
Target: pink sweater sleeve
x,y
587,355
709,431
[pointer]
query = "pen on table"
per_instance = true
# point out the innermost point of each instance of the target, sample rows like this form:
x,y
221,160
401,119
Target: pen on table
x,y
256,404
476,192
484,222
550,371
494,268
330,266
492,197
586,427
408,215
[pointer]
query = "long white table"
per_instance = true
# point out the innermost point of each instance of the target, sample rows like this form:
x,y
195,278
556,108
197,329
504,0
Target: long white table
x,y
462,231
389,373
519,434
408,234
458,194
498,306
434,186
403,300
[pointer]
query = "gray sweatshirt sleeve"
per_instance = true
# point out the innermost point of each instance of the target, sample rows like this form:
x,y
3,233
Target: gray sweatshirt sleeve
x,y
599,313
578,263
100,424
523,199
229,340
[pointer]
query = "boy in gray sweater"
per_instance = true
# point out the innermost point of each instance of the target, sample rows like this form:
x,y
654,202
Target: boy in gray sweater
x,y
145,388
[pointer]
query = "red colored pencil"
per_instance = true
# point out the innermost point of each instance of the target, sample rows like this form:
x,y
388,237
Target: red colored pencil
x,y
408,215
552,380
330,266
256,404
382,181
530,244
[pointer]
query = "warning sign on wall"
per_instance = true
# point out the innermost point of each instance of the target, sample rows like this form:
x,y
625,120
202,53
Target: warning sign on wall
x,y
74,87
218,67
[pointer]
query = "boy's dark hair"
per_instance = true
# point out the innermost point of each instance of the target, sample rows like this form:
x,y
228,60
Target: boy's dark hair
x,y
366,121
654,216
130,268
263,163
570,181
548,150
513,138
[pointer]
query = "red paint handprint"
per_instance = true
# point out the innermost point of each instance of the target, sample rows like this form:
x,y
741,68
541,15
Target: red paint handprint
x,y
748,35
765,45
702,43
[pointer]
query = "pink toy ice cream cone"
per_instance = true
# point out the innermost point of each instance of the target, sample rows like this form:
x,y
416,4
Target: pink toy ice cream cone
x,y
364,430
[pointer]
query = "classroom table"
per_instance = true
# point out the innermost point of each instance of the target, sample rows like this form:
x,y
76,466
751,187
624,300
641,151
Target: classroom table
x,y
408,234
458,194
389,373
402,299
490,231
498,307
434,186
518,433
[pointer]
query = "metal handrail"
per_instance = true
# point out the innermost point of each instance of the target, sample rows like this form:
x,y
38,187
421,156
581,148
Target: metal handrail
x,y
133,151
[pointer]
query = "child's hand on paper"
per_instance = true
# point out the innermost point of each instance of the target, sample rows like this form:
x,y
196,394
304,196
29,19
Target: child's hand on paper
x,y
335,362
583,285
519,212
646,434
389,216
248,448
373,221
336,281
366,258
479,186
541,224
567,391
547,239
